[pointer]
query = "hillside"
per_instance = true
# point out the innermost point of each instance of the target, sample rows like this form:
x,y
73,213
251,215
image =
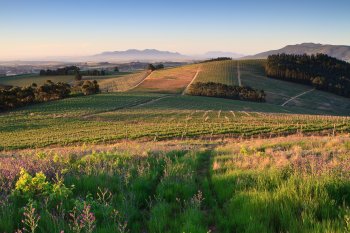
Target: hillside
x,y
251,73
341,52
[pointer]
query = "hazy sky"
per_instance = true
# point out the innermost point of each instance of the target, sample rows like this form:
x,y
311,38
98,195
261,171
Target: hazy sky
x,y
39,28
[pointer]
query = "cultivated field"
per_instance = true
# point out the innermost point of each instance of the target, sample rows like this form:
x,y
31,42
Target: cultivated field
x,y
110,117
172,80
219,71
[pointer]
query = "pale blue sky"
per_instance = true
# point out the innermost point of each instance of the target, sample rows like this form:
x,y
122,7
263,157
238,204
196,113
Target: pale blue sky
x,y
37,28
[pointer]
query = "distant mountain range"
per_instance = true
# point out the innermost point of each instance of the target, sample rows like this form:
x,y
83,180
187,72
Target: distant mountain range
x,y
341,52
157,55
140,55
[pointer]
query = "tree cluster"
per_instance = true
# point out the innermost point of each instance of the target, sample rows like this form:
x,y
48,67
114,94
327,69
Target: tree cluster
x,y
93,72
217,59
21,96
68,70
90,87
155,67
321,71
220,90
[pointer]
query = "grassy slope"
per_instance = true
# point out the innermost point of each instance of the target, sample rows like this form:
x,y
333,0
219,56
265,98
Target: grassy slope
x,y
121,83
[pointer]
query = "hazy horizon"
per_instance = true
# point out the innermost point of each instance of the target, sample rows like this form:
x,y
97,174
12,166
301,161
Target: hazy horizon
x,y
38,29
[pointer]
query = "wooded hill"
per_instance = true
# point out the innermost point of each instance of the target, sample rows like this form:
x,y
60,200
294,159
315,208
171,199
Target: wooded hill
x,y
321,71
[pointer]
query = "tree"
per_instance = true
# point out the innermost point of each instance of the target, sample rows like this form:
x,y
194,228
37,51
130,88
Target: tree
x,y
151,67
319,82
89,88
78,76
159,66
116,69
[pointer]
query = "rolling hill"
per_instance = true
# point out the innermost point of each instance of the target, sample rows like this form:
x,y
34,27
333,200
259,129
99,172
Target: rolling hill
x,y
341,52
288,96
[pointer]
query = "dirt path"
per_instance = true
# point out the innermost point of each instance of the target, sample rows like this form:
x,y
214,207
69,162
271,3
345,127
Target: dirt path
x,y
239,74
194,78
139,82
125,107
205,183
294,97
151,101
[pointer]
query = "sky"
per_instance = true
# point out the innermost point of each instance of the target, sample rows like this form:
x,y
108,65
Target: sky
x,y
49,28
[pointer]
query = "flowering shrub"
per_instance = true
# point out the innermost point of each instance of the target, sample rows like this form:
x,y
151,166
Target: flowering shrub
x,y
82,220
30,187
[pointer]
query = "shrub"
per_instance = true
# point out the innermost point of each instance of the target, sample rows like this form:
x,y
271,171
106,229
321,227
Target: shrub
x,y
31,188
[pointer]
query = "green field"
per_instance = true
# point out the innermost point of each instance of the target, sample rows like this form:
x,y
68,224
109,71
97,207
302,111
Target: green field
x,y
109,117
221,71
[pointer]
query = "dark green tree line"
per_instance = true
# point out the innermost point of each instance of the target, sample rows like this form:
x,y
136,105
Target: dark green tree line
x,y
220,90
321,71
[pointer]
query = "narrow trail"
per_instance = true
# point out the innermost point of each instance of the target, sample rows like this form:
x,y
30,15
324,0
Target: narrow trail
x,y
239,74
140,82
194,78
294,97
204,179
151,101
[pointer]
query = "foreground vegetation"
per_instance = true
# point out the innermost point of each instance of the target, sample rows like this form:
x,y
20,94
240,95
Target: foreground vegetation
x,y
295,184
